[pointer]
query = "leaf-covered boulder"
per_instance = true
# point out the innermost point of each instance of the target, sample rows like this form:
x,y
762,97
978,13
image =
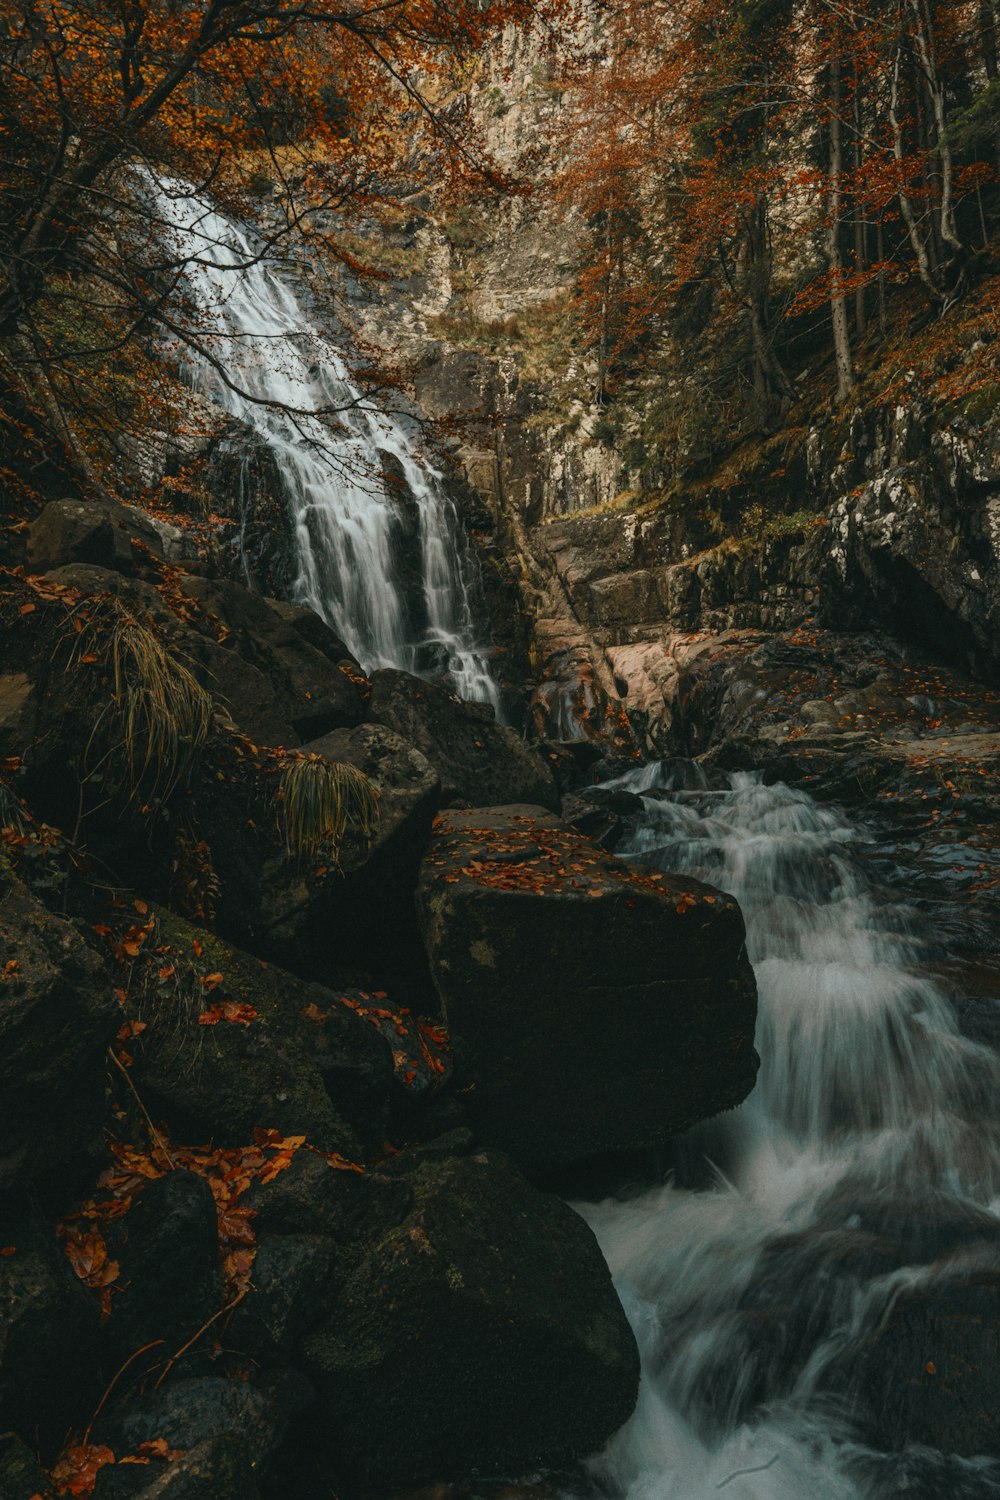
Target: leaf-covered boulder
x,y
57,1014
476,1329
592,1007
480,762
224,1043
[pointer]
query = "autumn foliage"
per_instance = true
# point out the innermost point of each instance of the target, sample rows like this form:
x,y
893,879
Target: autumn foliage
x,y
740,168
336,105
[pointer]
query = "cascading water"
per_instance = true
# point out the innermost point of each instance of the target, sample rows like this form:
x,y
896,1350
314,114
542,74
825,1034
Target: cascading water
x,y
749,1276
354,482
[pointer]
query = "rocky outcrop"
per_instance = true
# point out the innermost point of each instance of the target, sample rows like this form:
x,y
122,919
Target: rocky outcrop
x,y
479,1330
915,526
478,761
572,982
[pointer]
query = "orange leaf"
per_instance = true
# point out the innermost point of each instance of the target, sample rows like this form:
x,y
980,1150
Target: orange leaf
x,y
77,1470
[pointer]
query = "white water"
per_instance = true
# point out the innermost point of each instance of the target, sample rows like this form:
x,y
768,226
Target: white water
x,y
867,1098
254,328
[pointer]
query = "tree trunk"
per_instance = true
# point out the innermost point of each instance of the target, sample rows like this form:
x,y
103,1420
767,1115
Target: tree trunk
x,y
838,301
860,228
926,47
917,242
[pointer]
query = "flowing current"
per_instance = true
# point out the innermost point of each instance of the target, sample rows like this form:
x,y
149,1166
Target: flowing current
x,y
865,1164
380,552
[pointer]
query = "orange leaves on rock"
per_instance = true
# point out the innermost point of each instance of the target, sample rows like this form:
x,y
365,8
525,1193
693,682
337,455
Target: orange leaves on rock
x,y
130,943
228,1010
88,1255
76,1471
155,1448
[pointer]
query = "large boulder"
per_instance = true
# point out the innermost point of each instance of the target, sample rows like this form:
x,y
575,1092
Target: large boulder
x,y
57,1014
572,982
105,533
481,763
167,1249
479,1330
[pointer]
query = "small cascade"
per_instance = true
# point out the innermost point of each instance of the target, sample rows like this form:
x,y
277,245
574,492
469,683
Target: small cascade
x,y
381,554
750,1276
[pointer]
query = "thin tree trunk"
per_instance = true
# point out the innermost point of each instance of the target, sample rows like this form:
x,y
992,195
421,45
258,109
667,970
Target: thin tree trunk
x,y
838,301
917,243
860,234
927,52
883,311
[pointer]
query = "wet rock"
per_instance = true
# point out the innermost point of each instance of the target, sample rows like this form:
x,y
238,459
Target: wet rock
x,y
169,1283
312,1198
50,1377
363,912
920,1226
188,1412
481,1331
930,1373
480,763
242,475
57,1014
571,982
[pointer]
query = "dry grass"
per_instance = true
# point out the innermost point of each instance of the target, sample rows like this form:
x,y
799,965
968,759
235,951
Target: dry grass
x,y
158,717
319,800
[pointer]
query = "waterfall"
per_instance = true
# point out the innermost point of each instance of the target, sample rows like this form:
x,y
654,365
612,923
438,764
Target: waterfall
x,y
366,507
871,1108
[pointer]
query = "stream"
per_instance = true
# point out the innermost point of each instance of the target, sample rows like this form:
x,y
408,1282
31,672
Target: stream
x,y
865,1164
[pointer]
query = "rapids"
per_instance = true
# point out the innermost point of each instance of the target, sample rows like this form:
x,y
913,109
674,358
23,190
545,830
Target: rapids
x,y
870,1109
353,474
